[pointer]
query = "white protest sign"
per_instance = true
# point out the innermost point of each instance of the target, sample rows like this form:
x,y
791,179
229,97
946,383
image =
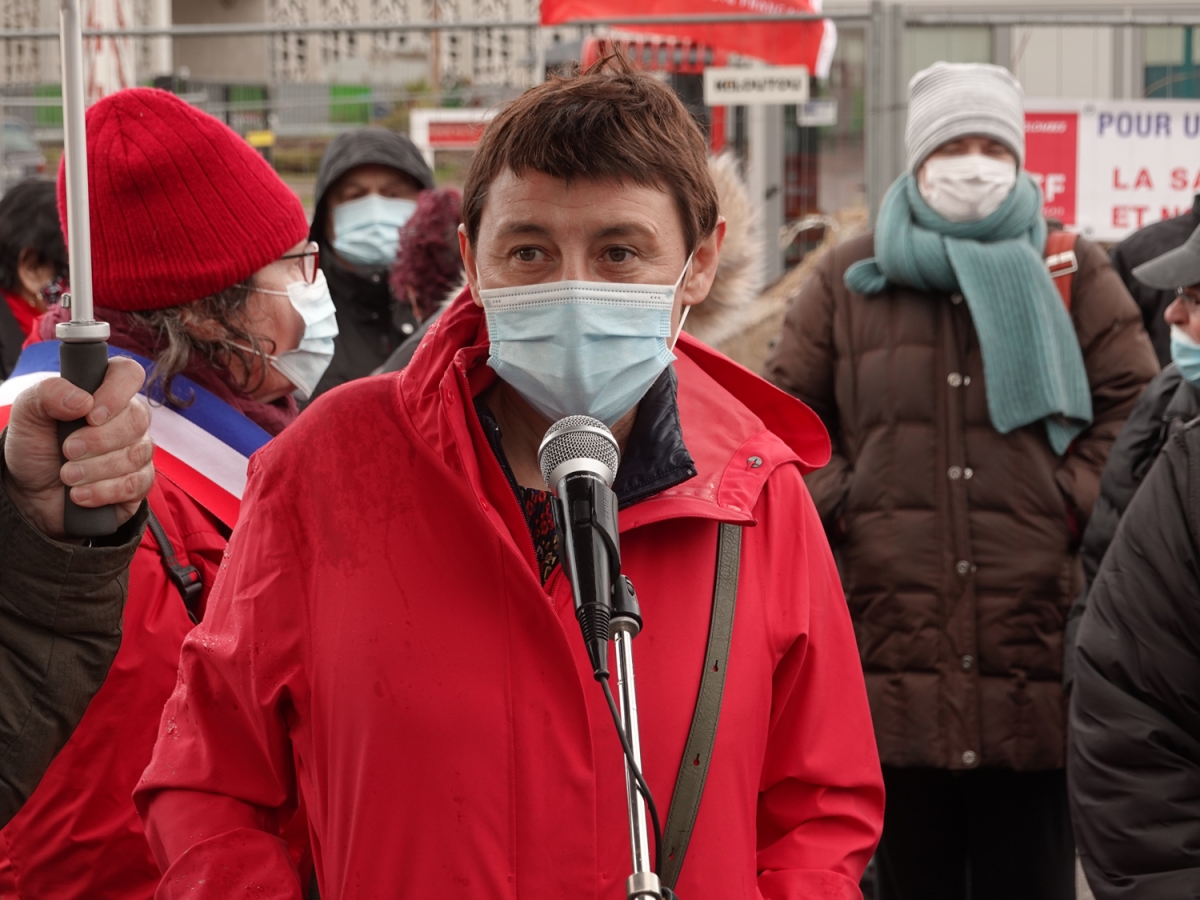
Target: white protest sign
x,y
725,86
1111,167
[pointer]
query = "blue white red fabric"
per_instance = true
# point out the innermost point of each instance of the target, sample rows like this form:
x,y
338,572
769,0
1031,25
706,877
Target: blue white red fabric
x,y
204,448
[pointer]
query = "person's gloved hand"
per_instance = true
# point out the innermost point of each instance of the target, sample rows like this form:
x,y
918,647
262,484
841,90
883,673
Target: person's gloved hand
x,y
109,461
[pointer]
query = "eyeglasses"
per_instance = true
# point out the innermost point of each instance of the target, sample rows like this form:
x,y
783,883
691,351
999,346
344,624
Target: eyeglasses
x,y
1190,297
310,261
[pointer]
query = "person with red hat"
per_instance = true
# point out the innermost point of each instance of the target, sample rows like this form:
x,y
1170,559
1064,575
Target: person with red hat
x,y
203,269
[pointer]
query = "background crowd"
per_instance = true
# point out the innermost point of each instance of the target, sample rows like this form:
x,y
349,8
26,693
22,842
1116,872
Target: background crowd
x,y
1009,499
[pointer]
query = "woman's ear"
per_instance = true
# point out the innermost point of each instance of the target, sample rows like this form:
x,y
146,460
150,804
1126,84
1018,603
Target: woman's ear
x,y
468,258
33,275
705,259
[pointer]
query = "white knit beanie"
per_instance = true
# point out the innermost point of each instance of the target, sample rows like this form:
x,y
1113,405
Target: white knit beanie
x,y
949,101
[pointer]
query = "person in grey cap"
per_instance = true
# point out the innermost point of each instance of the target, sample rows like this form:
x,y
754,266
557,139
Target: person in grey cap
x,y
366,190
971,398
1170,400
1144,245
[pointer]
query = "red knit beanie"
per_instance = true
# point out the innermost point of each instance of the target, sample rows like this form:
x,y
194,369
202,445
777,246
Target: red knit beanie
x,y
181,206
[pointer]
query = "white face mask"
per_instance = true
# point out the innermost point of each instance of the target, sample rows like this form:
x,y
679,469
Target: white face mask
x,y
305,365
966,188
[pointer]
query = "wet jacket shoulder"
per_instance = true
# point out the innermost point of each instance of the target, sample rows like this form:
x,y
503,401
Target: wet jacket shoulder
x,y
1168,399
1143,246
957,543
1135,719
60,628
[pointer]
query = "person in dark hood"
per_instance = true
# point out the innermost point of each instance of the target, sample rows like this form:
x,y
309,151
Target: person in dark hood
x,y
367,187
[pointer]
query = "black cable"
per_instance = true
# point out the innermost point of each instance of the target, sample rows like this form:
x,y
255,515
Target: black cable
x,y
643,788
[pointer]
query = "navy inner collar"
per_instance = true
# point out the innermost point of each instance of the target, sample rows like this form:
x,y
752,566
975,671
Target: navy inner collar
x,y
655,458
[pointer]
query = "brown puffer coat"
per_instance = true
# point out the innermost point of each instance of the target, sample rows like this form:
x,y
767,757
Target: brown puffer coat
x,y
958,544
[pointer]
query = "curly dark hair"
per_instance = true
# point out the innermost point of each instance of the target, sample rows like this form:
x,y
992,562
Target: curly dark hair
x,y
428,264
173,330
29,220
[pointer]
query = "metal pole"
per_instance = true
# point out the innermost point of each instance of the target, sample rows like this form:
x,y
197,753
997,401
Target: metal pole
x,y
643,882
83,354
3,153
82,328
627,694
976,18
258,29
872,126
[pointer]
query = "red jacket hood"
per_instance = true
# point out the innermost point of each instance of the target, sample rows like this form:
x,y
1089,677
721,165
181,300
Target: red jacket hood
x,y
737,427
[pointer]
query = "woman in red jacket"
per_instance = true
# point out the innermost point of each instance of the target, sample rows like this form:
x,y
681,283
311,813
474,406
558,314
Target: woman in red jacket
x,y
393,638
203,270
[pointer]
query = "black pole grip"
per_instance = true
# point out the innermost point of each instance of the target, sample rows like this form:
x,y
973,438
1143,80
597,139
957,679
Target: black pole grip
x,y
84,365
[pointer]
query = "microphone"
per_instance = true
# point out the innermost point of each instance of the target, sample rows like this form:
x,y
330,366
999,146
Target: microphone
x,y
578,458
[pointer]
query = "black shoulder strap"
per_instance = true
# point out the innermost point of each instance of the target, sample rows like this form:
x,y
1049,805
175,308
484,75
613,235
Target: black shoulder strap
x,y
185,578
697,753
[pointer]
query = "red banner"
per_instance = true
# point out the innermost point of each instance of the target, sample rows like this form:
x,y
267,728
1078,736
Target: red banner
x,y
1051,157
779,43
455,135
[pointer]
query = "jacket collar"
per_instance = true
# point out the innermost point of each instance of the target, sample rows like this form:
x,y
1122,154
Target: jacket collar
x,y
655,456
356,292
738,429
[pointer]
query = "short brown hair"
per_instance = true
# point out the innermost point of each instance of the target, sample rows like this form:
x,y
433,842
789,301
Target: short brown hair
x,y
609,123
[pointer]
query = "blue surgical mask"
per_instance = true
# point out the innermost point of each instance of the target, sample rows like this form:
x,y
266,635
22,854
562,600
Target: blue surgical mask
x,y
1185,352
366,231
305,365
581,347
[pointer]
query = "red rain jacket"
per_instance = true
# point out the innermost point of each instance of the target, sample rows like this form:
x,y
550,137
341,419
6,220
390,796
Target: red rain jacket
x,y
380,642
79,836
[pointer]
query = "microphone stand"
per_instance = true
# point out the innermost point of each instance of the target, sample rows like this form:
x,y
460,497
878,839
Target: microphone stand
x,y
626,625
585,513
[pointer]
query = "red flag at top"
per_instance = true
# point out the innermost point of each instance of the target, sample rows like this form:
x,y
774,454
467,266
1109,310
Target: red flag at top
x,y
780,43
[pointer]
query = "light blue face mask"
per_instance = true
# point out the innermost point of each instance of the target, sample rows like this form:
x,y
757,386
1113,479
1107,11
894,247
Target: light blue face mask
x,y
1185,353
366,231
588,348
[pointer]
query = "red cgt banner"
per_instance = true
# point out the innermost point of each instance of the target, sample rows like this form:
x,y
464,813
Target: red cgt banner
x,y
808,44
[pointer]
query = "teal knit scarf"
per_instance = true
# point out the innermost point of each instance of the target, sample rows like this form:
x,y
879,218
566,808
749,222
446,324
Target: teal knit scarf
x,y
1031,358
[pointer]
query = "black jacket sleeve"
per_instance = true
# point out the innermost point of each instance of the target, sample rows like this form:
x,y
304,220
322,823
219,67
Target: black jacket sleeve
x,y
60,628
1132,455
1134,748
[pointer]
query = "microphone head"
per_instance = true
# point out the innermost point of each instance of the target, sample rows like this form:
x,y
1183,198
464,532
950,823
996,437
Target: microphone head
x,y
578,444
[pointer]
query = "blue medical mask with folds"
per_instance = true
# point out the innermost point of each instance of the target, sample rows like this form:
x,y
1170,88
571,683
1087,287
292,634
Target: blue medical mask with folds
x,y
1185,353
588,348
366,231
305,365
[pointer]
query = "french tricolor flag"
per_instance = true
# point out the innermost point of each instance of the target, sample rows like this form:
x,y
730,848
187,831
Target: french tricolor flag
x,y
204,448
